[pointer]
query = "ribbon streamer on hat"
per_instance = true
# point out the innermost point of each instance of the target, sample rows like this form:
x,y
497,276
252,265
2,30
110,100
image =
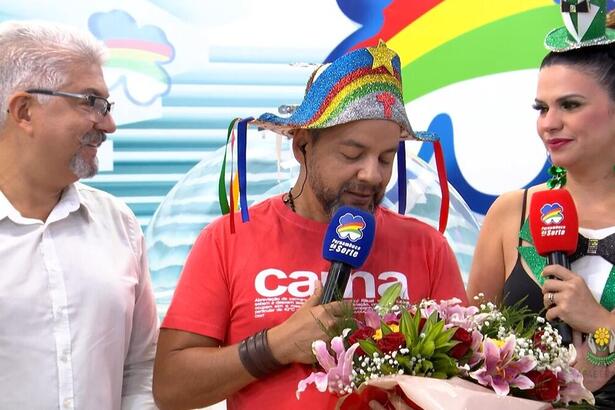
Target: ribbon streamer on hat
x,y
364,84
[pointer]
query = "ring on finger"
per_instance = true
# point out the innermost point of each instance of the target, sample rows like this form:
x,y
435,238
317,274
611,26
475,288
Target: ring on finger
x,y
551,298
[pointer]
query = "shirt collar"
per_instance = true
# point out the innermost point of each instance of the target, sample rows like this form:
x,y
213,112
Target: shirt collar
x,y
70,201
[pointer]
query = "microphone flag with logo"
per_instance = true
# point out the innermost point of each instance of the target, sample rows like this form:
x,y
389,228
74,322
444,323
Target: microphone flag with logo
x,y
347,243
554,225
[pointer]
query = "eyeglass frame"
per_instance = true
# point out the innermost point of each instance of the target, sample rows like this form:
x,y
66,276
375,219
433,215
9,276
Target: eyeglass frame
x,y
89,98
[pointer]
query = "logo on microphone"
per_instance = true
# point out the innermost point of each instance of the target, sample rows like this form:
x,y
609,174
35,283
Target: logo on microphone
x,y
552,214
350,227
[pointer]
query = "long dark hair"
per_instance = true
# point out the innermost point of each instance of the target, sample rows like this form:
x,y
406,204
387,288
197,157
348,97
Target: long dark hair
x,y
597,61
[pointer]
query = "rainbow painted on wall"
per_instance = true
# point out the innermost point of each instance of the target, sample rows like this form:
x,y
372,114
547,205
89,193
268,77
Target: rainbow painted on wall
x,y
472,38
139,56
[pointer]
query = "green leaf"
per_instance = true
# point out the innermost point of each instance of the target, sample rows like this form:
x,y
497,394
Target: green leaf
x,y
369,347
416,320
428,348
405,327
433,318
434,330
385,329
447,346
388,298
443,363
416,349
444,337
426,365
439,375
403,360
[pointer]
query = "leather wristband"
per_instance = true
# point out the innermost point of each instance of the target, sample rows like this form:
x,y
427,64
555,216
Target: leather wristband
x,y
256,356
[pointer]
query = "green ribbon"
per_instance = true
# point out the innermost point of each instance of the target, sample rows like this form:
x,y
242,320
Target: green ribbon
x,y
224,206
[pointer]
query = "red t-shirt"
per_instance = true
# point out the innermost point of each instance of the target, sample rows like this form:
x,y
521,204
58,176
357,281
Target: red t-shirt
x,y
232,286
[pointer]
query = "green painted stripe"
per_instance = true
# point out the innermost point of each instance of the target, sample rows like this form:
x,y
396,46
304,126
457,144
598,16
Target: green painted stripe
x,y
509,44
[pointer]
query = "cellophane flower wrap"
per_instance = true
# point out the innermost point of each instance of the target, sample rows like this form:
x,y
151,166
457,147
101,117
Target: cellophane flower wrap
x,y
508,350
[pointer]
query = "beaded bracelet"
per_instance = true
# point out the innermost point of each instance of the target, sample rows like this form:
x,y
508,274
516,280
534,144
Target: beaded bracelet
x,y
256,356
601,341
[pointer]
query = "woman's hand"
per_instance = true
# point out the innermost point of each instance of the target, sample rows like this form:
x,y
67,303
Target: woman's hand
x,y
567,297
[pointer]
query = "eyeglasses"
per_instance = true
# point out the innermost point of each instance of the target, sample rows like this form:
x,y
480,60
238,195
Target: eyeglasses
x,y
99,104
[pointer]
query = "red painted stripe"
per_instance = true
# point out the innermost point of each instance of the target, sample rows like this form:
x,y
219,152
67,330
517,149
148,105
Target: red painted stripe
x,y
398,15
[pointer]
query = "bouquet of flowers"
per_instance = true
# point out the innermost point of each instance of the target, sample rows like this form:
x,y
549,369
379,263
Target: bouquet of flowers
x,y
398,350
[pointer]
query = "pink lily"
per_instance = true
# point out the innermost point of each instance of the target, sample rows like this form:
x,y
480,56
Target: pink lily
x,y
571,388
456,315
373,320
477,355
338,371
500,370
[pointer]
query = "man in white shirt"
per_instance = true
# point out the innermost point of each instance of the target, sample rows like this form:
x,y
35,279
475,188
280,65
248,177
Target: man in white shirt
x,y
78,322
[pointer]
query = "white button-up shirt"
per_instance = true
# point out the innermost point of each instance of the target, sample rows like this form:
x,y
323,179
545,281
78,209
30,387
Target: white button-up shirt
x,y
78,322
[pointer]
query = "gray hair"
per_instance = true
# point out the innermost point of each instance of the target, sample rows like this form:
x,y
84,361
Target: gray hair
x,y
41,55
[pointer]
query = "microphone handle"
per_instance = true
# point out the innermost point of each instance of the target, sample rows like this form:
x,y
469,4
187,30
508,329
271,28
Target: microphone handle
x,y
565,331
558,258
339,273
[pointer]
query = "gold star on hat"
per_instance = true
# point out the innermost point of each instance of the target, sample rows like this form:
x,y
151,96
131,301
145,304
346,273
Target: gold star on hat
x,y
382,56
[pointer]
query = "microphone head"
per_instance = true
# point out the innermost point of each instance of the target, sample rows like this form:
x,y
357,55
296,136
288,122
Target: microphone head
x,y
554,222
349,236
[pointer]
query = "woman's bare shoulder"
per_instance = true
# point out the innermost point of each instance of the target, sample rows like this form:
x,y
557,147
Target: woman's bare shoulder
x,y
510,204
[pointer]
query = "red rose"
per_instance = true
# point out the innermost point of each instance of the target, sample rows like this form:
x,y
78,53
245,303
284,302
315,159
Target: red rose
x,y
391,342
360,334
546,386
465,341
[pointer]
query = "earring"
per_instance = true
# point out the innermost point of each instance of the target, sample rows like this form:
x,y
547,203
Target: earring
x,y
558,177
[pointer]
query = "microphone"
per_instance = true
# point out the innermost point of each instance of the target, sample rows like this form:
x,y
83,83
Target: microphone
x,y
554,225
347,243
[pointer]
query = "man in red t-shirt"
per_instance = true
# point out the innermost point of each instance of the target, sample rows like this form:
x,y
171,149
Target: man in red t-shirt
x,y
257,290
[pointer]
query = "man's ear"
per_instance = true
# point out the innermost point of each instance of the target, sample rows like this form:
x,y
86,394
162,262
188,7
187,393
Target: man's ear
x,y
19,109
301,138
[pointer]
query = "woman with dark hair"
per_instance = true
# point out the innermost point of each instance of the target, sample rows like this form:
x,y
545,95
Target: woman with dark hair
x,y
575,100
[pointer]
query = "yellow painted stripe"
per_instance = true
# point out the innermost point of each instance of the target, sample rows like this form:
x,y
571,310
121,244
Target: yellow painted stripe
x,y
134,54
452,18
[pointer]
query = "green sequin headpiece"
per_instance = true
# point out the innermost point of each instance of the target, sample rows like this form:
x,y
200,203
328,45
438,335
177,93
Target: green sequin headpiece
x,y
584,26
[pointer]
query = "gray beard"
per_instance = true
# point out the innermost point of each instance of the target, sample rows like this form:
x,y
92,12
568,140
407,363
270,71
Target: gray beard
x,y
82,168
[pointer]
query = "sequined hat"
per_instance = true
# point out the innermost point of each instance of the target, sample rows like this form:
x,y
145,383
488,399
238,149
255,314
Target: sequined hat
x,y
584,26
363,84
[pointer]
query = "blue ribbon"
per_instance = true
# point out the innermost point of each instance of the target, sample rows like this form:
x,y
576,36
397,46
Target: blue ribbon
x,y
242,130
